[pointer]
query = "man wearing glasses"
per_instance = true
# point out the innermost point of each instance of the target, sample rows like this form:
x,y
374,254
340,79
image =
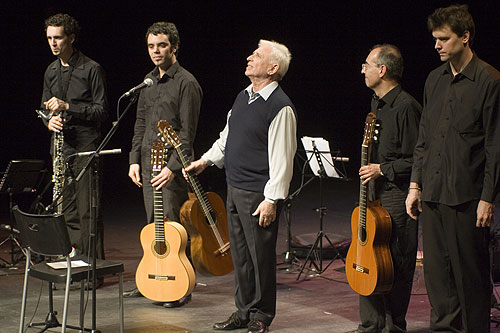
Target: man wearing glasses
x,y
388,178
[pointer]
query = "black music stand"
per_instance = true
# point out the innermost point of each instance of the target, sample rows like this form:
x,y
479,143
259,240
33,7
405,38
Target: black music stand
x,y
21,176
318,159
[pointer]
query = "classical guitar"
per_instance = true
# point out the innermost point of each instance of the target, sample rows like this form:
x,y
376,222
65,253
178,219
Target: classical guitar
x,y
368,265
204,216
164,273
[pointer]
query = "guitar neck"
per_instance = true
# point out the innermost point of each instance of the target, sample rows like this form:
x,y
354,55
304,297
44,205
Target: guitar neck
x,y
202,198
363,189
158,215
195,184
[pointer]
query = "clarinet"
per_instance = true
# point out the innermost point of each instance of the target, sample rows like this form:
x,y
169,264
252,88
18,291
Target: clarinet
x,y
58,166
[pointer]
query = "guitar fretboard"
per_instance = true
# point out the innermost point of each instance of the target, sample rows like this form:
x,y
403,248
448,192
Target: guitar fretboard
x,y
363,189
201,196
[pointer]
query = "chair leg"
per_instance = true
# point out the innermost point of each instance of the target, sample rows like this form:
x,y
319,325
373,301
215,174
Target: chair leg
x,y
25,291
66,294
82,295
120,297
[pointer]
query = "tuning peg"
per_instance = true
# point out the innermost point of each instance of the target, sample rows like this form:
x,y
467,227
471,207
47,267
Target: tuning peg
x,y
375,138
376,131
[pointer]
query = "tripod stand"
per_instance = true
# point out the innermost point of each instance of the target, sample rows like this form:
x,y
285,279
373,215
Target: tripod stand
x,y
289,257
21,176
315,254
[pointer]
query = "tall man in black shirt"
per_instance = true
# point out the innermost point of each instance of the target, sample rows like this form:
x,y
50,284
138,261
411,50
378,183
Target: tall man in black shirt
x,y
388,178
74,91
455,175
175,96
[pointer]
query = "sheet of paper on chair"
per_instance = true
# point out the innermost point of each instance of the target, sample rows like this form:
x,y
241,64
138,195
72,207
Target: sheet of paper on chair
x,y
62,264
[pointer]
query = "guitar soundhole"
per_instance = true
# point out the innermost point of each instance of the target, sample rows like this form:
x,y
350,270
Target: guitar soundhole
x,y
362,235
214,218
160,249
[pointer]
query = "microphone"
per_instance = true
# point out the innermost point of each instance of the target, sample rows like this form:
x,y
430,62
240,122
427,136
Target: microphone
x,y
340,159
146,83
103,152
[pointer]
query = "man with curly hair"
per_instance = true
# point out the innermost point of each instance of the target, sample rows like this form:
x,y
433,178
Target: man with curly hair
x,y
74,92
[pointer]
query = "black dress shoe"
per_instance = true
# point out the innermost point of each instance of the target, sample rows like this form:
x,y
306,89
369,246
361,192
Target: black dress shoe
x,y
232,323
257,326
132,293
175,304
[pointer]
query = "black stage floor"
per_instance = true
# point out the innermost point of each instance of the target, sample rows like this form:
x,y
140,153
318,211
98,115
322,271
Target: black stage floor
x,y
315,303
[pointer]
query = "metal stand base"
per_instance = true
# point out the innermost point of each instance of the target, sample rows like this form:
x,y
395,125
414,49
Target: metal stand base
x,y
13,244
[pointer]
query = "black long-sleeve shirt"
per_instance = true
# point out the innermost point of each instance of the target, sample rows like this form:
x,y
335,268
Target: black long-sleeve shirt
x,y
457,157
398,115
176,98
86,96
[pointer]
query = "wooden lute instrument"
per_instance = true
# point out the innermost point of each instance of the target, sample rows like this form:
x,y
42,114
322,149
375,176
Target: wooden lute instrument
x,y
368,265
204,215
164,273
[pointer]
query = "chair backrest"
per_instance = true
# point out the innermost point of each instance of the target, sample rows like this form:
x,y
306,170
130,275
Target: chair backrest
x,y
43,234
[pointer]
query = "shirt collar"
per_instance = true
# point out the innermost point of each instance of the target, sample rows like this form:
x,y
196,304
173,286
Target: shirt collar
x,y
469,71
73,60
390,96
169,73
264,92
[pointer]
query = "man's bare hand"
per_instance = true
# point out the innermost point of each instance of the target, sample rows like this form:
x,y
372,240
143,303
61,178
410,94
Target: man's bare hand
x,y
369,172
413,202
266,212
134,172
485,214
55,124
56,105
196,166
164,178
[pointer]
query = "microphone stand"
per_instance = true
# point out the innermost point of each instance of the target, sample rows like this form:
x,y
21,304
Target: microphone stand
x,y
94,175
289,257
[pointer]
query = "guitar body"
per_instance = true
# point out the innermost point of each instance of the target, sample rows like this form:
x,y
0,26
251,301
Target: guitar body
x,y
204,245
368,265
165,273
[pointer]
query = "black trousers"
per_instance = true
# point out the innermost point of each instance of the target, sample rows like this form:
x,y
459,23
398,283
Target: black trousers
x,y
77,209
387,312
456,268
253,249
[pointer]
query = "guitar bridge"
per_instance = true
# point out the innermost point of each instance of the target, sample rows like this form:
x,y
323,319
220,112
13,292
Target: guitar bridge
x,y
161,277
223,249
361,269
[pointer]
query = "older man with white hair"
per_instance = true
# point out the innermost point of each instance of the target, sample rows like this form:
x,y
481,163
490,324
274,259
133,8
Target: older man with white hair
x,y
256,148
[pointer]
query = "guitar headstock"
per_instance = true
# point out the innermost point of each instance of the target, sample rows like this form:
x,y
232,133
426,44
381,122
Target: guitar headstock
x,y
157,155
168,133
369,129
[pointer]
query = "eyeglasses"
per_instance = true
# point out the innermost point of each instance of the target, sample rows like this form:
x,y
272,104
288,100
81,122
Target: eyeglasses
x,y
365,65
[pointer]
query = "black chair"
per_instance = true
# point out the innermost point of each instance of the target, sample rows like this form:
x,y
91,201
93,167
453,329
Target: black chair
x,y
47,235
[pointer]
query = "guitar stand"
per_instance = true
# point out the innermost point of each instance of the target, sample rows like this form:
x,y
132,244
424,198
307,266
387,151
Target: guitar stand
x,y
21,176
315,255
